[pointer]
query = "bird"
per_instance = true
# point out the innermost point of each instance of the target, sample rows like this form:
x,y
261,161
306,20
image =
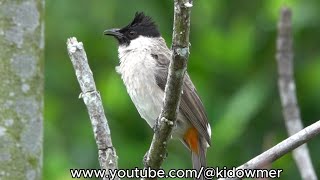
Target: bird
x,y
144,61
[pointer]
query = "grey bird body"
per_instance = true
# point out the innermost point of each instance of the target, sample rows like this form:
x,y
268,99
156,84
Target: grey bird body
x,y
137,68
144,61
138,64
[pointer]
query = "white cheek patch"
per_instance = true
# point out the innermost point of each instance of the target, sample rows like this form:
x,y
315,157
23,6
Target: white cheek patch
x,y
138,43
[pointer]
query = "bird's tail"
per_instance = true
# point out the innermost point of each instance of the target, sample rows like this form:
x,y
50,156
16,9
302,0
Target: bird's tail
x,y
199,158
198,148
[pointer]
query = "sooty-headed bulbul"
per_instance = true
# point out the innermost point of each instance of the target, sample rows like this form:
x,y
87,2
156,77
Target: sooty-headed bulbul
x,y
144,61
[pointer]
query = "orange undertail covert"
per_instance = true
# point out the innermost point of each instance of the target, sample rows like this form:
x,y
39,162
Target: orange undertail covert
x,y
191,138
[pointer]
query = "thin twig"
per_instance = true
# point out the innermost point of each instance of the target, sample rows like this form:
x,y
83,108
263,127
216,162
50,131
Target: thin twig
x,y
282,148
91,97
287,90
177,69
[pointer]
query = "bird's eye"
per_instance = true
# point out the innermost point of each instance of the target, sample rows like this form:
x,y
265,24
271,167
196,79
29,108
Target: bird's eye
x,y
132,33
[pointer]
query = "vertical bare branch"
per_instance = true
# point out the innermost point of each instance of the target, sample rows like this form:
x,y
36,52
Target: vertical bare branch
x,y
91,97
177,69
287,91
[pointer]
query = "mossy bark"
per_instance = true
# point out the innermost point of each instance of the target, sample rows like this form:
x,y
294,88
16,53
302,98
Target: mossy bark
x,y
21,88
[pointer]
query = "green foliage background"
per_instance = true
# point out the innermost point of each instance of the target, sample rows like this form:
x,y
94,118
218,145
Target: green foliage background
x,y
232,64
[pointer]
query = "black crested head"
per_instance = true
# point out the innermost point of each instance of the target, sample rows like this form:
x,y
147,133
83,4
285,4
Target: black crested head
x,y
141,25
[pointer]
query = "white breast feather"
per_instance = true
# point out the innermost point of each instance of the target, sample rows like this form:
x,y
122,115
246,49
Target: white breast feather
x,y
136,69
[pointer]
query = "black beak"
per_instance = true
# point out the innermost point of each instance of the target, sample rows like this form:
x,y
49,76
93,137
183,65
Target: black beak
x,y
113,32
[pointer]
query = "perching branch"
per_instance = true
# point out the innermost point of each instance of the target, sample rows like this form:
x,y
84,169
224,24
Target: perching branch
x,y
91,97
177,69
283,147
287,92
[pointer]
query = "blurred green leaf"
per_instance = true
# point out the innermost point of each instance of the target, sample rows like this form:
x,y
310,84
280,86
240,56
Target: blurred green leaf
x,y
242,106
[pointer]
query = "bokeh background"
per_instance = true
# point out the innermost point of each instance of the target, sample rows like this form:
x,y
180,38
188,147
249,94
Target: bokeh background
x,y
232,64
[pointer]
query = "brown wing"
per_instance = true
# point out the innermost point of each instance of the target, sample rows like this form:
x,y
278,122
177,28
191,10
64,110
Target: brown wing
x,y
193,109
190,104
